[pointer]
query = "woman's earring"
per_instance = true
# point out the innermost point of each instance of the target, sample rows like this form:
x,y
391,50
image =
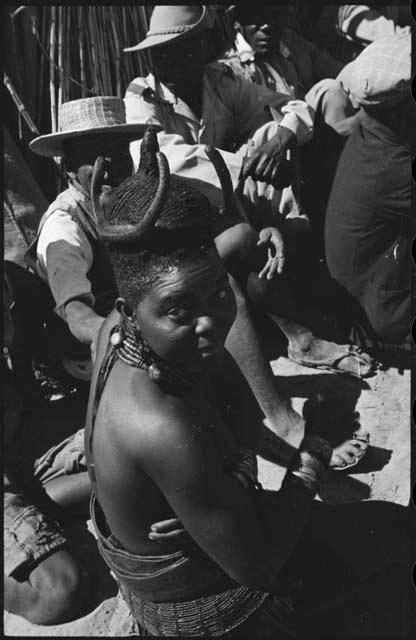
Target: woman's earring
x,y
154,373
117,337
123,308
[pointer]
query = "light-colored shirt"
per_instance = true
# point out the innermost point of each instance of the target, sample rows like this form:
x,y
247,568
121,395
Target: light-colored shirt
x,y
367,24
236,116
64,253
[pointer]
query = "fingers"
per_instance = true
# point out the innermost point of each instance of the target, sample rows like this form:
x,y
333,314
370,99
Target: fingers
x,y
170,530
261,167
249,166
165,526
177,536
273,265
278,244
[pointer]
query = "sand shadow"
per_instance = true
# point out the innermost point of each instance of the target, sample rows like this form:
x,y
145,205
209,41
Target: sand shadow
x,y
344,393
100,583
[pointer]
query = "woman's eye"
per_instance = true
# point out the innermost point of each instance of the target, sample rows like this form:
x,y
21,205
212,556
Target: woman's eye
x,y
222,295
177,313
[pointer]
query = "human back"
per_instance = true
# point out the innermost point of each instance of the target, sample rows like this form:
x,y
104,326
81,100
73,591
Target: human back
x,y
135,417
140,415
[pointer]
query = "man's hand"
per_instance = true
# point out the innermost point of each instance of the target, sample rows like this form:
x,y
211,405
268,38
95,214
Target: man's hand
x,y
275,262
268,162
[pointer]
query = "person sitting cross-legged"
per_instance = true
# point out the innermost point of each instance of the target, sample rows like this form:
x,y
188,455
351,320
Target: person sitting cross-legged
x,y
171,431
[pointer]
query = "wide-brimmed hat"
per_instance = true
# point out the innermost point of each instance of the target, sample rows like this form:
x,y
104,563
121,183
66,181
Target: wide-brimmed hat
x,y
87,116
380,76
174,22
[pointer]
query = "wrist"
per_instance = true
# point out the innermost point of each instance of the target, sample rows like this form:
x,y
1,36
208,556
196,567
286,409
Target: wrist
x,y
82,320
317,446
287,138
308,469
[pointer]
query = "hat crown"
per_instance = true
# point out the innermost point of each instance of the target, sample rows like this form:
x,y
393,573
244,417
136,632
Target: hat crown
x,y
381,74
167,17
91,113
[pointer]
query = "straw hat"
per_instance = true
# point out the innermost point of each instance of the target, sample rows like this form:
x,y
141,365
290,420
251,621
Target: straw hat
x,y
174,22
87,116
380,76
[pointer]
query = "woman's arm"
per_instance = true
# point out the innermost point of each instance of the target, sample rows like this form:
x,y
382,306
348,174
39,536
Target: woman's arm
x,y
220,515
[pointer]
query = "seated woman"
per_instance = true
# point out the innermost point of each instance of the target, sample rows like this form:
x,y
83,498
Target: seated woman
x,y
171,432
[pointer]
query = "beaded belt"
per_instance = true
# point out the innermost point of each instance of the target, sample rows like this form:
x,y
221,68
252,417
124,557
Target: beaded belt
x,y
211,615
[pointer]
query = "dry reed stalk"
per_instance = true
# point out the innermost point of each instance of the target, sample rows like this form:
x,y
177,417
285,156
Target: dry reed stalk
x,y
90,30
60,76
38,115
98,68
117,49
108,53
52,69
67,53
81,52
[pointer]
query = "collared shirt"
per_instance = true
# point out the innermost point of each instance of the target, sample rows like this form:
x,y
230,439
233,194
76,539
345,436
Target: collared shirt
x,y
233,110
293,70
64,253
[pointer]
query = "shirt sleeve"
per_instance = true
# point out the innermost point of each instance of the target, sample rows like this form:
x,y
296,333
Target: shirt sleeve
x,y
191,162
252,101
367,24
64,257
186,160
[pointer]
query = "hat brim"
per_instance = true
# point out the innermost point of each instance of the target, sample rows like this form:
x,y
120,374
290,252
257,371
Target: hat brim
x,y
51,144
203,24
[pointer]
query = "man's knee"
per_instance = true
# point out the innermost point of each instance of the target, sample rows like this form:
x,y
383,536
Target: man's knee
x,y
61,586
236,247
52,593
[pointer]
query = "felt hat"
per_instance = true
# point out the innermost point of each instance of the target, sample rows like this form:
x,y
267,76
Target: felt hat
x,y
170,23
87,116
380,76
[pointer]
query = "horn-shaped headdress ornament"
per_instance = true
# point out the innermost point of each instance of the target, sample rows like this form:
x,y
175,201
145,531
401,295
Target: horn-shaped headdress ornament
x,y
152,161
230,199
126,233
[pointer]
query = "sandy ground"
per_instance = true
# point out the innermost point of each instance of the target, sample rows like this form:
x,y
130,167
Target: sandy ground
x,y
384,404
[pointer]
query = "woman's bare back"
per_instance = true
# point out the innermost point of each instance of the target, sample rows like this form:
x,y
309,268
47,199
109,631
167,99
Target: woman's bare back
x,y
130,499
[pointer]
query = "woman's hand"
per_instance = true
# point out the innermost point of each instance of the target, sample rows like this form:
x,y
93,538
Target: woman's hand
x,y
170,532
275,261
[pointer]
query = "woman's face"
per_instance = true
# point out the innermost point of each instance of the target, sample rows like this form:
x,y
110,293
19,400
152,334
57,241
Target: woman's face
x,y
188,312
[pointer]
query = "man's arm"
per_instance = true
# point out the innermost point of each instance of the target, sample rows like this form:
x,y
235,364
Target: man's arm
x,y
218,513
366,24
252,101
65,257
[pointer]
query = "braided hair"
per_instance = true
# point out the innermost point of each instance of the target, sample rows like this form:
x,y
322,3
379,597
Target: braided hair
x,y
183,229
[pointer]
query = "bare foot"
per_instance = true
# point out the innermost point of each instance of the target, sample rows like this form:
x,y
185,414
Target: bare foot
x,y
350,452
330,356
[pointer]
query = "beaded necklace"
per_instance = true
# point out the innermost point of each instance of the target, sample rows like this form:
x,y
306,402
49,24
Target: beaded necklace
x,y
132,349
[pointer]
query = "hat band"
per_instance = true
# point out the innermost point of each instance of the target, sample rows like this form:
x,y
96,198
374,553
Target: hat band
x,y
163,32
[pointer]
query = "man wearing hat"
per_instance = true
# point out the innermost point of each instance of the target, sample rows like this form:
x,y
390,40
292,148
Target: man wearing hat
x,y
67,254
198,103
253,127
369,226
